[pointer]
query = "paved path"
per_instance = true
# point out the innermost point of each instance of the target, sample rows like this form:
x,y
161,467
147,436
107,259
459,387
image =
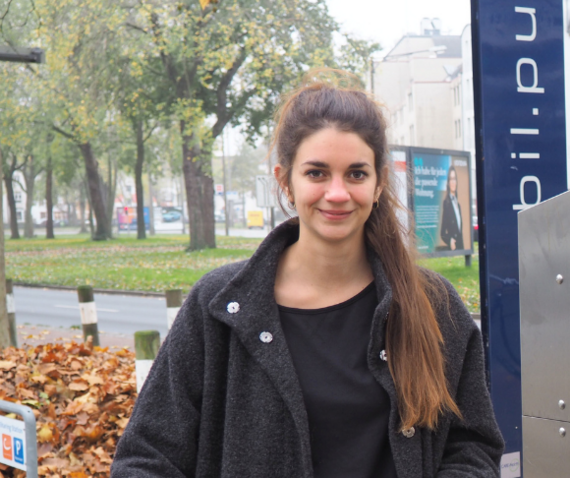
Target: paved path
x,y
118,315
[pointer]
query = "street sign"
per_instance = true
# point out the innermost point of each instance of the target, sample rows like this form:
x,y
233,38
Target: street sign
x,y
18,439
518,66
266,191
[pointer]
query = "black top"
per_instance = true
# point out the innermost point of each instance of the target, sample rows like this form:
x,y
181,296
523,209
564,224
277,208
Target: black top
x,y
347,409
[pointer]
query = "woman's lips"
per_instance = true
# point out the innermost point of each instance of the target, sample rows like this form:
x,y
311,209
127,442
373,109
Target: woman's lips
x,y
334,215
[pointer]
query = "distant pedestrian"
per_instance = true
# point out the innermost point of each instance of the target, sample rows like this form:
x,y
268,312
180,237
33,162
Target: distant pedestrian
x,y
329,353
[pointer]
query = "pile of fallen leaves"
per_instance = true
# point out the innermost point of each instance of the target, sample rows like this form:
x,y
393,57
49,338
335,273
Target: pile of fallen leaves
x,y
82,397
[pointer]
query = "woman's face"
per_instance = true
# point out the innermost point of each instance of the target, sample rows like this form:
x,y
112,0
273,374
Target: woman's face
x,y
452,182
333,184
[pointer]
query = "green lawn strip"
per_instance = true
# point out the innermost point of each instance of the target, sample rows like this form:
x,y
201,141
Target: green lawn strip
x,y
161,262
125,263
464,279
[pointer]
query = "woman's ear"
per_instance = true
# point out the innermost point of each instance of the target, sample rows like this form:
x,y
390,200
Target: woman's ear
x,y
277,172
381,183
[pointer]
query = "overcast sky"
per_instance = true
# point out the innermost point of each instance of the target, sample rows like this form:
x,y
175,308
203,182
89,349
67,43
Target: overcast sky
x,y
385,21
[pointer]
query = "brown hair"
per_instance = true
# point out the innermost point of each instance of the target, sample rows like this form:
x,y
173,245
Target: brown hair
x,y
413,338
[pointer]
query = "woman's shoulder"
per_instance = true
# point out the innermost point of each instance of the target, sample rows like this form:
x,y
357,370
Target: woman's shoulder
x,y
215,280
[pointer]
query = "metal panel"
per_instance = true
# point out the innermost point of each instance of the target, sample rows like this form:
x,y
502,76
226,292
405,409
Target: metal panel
x,y
518,71
546,451
544,256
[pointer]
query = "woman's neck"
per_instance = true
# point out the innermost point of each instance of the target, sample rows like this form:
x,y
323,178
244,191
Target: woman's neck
x,y
314,273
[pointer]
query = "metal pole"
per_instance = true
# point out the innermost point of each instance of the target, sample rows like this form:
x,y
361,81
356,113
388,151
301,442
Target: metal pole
x,y
4,324
27,414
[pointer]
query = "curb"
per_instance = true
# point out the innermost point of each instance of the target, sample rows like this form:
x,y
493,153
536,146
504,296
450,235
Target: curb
x,y
98,291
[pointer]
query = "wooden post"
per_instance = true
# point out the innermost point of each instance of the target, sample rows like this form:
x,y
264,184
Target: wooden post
x,y
88,313
173,304
11,308
147,343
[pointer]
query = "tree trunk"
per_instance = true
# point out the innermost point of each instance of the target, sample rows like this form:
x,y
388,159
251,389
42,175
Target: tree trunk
x,y
49,199
97,202
83,228
8,179
199,196
138,126
29,177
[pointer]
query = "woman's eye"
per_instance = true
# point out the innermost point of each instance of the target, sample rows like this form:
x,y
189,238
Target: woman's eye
x,y
314,173
358,174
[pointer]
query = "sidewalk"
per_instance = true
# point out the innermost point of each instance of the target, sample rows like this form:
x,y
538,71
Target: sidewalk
x,y
40,334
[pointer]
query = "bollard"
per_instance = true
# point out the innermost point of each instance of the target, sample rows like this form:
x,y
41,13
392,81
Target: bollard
x,y
147,343
11,309
173,304
88,313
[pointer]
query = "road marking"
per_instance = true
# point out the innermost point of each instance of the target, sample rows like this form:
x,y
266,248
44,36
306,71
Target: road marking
x,y
99,309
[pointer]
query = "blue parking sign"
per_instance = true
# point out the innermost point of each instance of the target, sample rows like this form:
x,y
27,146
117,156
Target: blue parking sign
x,y
18,451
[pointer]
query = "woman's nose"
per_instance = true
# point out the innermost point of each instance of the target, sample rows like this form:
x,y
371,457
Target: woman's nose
x,y
337,191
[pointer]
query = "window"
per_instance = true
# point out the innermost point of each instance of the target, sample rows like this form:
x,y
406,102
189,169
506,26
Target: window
x,y
17,197
410,101
459,128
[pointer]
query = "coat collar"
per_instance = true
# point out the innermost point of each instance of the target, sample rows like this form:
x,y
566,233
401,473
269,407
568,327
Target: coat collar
x,y
253,289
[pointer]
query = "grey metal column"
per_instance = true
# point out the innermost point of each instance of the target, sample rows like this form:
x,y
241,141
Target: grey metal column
x,y
30,430
544,263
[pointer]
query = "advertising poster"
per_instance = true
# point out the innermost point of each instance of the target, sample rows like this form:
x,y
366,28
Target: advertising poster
x,y
399,163
442,200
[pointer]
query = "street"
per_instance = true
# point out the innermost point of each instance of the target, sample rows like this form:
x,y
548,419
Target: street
x,y
117,314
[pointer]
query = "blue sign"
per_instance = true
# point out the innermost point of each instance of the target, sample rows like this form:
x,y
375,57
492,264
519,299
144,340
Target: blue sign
x,y
518,66
19,451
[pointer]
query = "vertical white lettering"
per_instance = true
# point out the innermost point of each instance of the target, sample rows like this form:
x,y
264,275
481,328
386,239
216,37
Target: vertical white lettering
x,y
532,13
524,204
528,89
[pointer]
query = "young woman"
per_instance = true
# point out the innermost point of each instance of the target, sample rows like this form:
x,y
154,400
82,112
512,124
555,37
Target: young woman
x,y
451,231
328,354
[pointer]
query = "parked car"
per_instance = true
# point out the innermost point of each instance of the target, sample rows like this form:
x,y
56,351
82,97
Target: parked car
x,y
171,216
475,229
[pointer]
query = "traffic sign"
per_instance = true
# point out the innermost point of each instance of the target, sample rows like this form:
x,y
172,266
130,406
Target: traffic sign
x,y
266,191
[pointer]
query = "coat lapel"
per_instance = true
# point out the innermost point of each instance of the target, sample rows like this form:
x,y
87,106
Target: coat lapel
x,y
253,289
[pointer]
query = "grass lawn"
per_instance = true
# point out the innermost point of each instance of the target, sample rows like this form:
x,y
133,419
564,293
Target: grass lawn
x,y
161,262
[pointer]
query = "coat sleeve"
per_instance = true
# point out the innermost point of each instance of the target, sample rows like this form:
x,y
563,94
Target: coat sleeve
x,y
162,434
474,445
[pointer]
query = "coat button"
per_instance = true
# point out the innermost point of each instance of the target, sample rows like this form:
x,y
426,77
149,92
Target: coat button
x,y
409,432
266,337
233,307
383,356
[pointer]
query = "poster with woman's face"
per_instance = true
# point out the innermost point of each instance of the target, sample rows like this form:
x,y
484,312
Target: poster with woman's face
x,y
442,203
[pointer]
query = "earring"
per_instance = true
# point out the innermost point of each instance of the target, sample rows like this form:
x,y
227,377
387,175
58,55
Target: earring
x,y
376,205
291,204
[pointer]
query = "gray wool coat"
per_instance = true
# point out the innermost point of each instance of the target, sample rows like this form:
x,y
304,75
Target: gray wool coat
x,y
223,399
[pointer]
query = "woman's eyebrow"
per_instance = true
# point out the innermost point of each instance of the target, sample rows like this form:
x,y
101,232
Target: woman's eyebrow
x,y
322,164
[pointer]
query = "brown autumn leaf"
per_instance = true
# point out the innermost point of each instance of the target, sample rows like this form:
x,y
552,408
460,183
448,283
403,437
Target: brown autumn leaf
x,y
79,385
77,435
7,365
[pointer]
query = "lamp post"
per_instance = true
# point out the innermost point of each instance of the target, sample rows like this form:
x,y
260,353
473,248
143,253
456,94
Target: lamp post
x,y
17,55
